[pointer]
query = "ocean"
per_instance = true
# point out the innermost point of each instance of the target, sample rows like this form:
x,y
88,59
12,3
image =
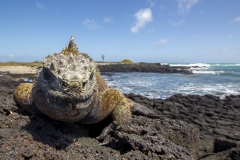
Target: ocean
x,y
220,79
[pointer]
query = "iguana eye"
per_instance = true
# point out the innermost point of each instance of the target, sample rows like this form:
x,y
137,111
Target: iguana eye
x,y
63,84
46,74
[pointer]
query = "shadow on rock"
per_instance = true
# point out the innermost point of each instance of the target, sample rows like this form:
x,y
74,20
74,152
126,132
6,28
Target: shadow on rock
x,y
54,133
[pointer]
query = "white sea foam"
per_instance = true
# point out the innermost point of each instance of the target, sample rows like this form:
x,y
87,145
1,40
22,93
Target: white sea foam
x,y
155,85
211,68
203,64
197,68
207,72
191,64
164,63
225,64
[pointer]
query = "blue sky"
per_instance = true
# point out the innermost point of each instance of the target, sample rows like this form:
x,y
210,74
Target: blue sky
x,y
196,31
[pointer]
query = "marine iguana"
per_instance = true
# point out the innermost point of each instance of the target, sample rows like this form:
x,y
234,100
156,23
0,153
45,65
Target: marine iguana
x,y
69,88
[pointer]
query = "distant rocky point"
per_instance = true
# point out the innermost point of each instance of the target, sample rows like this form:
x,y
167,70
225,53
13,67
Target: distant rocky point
x,y
142,67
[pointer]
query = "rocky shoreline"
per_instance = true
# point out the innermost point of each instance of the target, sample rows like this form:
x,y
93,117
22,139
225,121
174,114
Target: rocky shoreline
x,y
184,127
143,67
216,119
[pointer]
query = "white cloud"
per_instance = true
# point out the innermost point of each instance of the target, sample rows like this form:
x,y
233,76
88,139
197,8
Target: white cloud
x,y
107,19
11,55
39,5
185,5
143,16
162,41
90,24
236,20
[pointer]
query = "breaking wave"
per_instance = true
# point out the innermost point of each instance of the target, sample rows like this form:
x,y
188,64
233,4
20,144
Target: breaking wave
x,y
217,79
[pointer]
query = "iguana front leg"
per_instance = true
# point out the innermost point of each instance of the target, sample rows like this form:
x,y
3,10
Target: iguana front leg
x,y
113,102
120,114
23,96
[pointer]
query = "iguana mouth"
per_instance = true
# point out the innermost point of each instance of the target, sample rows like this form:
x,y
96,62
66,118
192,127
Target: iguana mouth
x,y
82,108
60,107
68,97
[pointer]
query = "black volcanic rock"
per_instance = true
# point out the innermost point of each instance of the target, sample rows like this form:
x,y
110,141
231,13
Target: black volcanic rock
x,y
143,67
217,120
155,138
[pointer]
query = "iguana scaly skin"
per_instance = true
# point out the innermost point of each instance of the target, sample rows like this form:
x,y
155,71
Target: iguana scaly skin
x,y
69,88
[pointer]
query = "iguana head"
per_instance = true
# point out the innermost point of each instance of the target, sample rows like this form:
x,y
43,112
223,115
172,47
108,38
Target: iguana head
x,y
67,82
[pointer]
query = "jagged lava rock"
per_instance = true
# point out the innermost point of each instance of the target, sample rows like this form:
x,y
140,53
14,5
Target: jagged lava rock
x,y
214,117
